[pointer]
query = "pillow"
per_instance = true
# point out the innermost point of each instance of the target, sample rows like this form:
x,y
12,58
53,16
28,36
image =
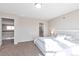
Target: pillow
x,y
68,38
63,37
60,37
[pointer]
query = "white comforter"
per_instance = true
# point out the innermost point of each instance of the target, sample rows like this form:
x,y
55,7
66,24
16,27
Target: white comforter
x,y
50,45
57,47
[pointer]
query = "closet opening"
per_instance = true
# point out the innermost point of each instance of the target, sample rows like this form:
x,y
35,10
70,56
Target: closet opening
x,y
7,31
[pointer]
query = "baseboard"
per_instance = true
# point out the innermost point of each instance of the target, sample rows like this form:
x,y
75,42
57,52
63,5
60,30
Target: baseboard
x,y
15,43
21,42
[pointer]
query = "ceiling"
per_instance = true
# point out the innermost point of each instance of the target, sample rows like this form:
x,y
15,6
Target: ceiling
x,y
47,12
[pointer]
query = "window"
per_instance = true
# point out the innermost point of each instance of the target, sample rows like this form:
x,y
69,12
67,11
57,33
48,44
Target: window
x,y
10,27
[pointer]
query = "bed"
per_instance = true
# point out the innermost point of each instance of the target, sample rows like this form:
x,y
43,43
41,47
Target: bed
x,y
57,46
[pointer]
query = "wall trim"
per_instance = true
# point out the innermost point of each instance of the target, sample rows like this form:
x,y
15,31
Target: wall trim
x,y
15,43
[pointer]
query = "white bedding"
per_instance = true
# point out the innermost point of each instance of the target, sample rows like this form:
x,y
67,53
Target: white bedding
x,y
50,45
55,46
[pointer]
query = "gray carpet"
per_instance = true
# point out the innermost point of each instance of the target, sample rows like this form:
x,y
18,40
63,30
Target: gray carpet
x,y
21,49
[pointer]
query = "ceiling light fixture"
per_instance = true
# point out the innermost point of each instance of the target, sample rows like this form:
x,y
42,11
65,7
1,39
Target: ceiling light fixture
x,y
37,5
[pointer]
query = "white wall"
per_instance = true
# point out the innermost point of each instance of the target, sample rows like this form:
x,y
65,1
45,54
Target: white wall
x,y
67,23
26,29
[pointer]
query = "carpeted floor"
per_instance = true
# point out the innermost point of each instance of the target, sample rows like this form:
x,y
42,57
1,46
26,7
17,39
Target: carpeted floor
x,y
21,49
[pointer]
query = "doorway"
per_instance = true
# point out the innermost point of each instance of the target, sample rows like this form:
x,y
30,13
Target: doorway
x,y
41,29
7,31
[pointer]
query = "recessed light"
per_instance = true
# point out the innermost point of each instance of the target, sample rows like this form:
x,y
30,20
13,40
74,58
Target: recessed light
x,y
37,5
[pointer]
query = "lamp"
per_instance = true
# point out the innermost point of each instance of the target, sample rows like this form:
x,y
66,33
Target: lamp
x,y
52,31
